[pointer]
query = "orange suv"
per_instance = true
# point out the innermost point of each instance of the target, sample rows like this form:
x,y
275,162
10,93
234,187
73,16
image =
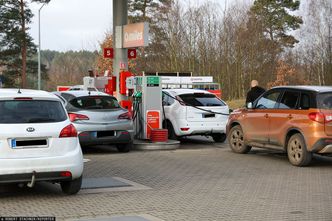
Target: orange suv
x,y
295,119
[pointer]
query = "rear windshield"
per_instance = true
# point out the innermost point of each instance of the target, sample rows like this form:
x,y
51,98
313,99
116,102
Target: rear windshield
x,y
31,111
95,102
324,101
201,99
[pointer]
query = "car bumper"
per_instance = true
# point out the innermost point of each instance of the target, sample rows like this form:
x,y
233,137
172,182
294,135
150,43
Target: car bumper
x,y
46,168
323,146
116,137
199,128
27,177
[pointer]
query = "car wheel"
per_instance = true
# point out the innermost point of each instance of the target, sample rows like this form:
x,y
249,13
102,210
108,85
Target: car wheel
x,y
124,148
220,138
236,140
171,132
71,187
297,151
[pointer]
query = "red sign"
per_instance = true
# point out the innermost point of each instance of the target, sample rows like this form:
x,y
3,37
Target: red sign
x,y
132,53
63,88
122,65
108,53
153,122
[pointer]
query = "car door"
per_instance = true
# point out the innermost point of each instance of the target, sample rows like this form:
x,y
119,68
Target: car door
x,y
281,119
256,120
167,102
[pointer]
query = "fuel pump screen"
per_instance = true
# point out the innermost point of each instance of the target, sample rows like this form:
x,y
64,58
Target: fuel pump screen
x,y
152,81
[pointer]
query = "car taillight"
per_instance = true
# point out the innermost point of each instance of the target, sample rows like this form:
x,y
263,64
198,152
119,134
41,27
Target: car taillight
x,y
65,174
317,116
68,131
74,117
184,128
23,98
125,116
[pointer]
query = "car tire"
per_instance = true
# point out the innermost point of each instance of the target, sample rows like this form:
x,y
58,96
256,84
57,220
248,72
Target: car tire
x,y
297,152
124,148
71,187
236,140
219,138
171,132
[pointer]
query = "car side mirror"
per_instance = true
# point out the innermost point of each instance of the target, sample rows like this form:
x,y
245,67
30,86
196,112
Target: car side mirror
x,y
249,105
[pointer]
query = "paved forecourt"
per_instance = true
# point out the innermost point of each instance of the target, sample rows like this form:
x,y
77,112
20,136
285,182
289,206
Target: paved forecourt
x,y
200,181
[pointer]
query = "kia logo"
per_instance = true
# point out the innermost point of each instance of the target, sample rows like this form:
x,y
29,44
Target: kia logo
x,y
30,129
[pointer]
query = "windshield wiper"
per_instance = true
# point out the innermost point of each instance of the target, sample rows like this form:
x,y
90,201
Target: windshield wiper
x,y
41,120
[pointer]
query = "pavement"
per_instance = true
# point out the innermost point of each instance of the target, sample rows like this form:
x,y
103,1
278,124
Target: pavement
x,y
200,181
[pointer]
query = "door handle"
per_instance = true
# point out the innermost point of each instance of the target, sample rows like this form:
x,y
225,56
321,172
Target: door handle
x,y
266,116
290,116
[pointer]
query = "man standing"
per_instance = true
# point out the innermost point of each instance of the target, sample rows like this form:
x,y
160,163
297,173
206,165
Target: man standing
x,y
254,92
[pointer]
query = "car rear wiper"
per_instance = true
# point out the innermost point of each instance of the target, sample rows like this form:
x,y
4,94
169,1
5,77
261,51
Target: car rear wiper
x,y
41,120
94,107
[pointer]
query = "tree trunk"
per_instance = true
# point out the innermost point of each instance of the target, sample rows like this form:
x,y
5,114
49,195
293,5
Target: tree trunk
x,y
24,46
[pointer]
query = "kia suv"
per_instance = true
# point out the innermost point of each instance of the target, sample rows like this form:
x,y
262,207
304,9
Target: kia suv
x,y
191,112
295,119
37,141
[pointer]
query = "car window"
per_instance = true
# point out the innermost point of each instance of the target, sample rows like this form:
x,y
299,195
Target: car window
x,y
95,102
201,99
324,101
289,100
31,111
167,99
268,101
304,101
68,97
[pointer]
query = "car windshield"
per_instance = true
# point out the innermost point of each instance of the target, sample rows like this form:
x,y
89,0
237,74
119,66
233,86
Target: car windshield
x,y
31,111
95,102
324,101
201,99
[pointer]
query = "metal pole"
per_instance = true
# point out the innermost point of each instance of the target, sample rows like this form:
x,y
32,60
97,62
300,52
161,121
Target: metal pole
x,y
39,47
120,18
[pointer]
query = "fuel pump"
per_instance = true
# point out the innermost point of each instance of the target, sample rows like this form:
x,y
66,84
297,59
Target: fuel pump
x,y
147,104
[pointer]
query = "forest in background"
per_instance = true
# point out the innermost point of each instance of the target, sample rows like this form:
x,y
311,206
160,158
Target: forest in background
x,y
271,41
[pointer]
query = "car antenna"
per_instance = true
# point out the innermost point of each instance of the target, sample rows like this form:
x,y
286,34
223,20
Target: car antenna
x,y
19,91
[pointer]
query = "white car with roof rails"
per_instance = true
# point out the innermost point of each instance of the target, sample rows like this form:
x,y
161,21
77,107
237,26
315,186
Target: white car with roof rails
x,y
191,112
37,141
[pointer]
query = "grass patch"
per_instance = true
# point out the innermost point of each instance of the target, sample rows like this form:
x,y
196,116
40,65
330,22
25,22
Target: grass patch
x,y
234,104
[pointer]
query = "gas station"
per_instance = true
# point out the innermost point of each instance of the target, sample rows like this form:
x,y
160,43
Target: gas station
x,y
141,93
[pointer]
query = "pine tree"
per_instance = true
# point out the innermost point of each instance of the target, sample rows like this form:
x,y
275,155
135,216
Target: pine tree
x,y
276,20
16,46
153,12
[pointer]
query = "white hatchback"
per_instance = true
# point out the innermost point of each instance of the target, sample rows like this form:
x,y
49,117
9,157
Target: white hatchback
x,y
194,112
38,141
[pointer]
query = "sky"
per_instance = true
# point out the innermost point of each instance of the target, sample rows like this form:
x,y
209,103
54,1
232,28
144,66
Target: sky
x,y
75,24
72,24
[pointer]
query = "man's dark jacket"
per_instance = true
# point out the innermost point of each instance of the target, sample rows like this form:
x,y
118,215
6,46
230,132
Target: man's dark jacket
x,y
254,93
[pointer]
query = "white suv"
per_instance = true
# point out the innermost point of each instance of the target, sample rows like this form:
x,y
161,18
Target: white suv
x,y
194,112
38,141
